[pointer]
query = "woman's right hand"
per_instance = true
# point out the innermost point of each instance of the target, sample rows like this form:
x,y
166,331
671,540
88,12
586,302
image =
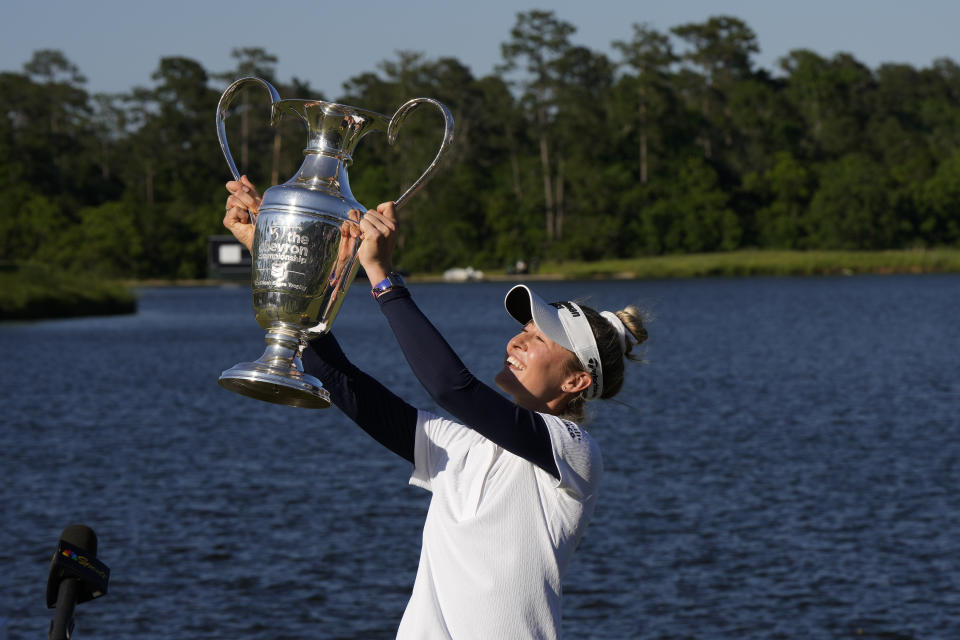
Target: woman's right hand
x,y
378,231
243,205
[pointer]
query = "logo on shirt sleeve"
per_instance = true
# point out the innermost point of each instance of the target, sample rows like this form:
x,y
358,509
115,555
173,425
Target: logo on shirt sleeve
x,y
573,430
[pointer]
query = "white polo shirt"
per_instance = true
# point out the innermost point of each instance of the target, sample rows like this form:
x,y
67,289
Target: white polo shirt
x,y
499,533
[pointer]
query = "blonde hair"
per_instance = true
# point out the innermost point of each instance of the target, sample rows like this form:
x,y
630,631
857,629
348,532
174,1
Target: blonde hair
x,y
612,356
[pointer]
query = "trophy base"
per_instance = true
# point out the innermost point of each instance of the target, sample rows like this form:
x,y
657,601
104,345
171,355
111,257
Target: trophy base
x,y
277,376
270,384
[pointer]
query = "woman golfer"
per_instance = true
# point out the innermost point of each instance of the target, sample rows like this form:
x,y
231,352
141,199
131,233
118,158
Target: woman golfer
x,y
514,481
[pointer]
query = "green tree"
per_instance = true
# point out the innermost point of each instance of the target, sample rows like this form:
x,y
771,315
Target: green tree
x,y
174,158
109,240
61,80
834,99
851,209
939,205
445,222
785,188
46,110
721,48
692,215
650,56
254,62
583,102
504,156
539,43
32,226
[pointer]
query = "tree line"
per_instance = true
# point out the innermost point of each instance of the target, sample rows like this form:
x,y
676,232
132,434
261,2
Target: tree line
x,y
676,143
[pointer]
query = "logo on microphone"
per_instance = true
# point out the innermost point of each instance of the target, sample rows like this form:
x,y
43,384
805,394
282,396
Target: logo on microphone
x,y
85,562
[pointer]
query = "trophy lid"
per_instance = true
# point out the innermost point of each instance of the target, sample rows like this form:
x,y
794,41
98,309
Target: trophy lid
x,y
334,128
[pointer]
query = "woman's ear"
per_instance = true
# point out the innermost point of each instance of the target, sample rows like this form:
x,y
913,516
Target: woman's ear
x,y
577,382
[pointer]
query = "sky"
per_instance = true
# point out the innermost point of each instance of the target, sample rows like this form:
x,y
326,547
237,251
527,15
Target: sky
x,y
117,44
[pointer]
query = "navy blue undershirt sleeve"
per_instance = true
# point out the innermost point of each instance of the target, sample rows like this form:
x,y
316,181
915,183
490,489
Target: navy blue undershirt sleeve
x,y
449,382
377,410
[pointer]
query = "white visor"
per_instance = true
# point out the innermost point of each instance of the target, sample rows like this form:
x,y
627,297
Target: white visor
x,y
565,324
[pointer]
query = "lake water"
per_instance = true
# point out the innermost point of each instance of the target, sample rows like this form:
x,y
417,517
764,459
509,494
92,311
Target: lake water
x,y
786,464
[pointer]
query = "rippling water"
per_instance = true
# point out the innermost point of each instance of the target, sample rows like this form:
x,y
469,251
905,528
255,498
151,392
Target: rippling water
x,y
785,466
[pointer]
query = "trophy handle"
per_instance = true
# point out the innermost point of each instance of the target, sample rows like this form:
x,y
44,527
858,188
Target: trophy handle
x,y
395,123
224,103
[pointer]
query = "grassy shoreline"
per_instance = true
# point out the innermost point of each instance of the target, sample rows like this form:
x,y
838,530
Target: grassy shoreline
x,y
729,264
36,291
763,263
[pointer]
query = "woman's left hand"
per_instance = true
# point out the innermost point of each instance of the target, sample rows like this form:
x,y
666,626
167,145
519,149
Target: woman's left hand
x,y
378,230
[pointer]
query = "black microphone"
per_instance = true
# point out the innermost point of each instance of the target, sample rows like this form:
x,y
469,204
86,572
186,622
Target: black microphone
x,y
75,577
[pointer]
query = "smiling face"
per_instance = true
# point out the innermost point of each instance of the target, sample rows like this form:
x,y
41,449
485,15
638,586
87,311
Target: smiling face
x,y
537,372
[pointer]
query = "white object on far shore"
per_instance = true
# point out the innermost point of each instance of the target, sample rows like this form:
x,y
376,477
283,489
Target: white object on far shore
x,y
458,274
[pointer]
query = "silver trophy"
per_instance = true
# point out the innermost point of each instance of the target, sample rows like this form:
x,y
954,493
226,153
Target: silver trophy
x,y
304,254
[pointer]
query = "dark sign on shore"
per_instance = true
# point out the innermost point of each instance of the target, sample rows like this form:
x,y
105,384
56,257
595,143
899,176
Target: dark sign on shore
x,y
227,259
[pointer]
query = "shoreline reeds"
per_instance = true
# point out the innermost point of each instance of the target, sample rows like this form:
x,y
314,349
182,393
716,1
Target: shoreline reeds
x,y
31,291
763,263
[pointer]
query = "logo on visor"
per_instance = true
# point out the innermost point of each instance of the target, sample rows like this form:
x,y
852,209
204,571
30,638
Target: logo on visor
x,y
593,365
572,310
